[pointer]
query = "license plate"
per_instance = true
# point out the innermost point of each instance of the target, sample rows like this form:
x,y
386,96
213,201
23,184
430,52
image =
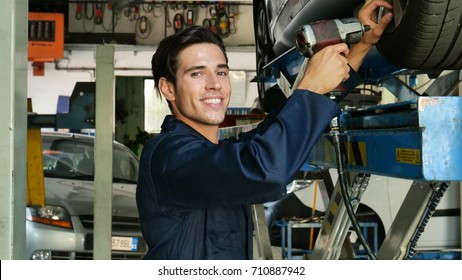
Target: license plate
x,y
120,243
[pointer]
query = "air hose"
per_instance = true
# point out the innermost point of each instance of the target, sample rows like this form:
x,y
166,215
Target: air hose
x,y
344,189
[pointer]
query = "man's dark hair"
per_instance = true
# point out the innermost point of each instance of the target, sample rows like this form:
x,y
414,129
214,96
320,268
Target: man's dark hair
x,y
166,58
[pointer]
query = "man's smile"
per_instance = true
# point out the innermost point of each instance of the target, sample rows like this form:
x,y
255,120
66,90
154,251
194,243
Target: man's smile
x,y
212,100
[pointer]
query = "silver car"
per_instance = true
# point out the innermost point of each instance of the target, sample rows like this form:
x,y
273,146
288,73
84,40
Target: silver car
x,y
63,229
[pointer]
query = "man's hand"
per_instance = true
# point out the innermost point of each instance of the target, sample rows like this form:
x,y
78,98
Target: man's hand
x,y
368,15
326,69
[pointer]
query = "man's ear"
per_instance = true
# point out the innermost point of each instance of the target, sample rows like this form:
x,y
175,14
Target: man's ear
x,y
166,89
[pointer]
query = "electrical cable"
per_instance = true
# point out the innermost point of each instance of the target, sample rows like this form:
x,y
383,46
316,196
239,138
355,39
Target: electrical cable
x,y
346,198
127,12
89,17
157,11
115,17
213,10
84,20
150,7
167,22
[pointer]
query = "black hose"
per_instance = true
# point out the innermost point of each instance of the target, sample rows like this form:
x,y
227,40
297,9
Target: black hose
x,y
346,196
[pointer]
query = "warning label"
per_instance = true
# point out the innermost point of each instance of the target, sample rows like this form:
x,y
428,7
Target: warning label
x,y
411,156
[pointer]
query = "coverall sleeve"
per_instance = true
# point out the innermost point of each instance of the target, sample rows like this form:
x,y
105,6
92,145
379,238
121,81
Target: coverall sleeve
x,y
189,171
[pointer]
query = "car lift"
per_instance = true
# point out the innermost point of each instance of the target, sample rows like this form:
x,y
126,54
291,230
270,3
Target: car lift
x,y
402,140
81,115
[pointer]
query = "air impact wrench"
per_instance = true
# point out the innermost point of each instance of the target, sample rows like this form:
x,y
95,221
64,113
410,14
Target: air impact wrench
x,y
311,38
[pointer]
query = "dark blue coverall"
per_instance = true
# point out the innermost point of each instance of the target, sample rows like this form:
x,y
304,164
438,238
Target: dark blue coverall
x,y
194,196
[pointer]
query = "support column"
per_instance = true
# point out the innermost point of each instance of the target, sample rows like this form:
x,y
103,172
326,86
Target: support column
x,y
105,100
13,127
460,182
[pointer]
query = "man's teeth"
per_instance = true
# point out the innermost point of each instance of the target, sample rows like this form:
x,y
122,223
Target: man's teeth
x,y
212,101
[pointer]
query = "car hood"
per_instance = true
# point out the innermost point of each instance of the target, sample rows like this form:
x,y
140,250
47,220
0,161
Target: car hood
x,y
77,197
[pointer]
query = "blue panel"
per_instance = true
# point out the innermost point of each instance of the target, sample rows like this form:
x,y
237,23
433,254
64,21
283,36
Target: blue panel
x,y
441,120
381,152
63,104
413,140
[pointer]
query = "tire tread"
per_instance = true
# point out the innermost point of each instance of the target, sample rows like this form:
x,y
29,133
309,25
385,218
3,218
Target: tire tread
x,y
428,36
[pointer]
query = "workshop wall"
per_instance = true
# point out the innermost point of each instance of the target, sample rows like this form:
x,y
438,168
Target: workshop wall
x,y
147,23
87,27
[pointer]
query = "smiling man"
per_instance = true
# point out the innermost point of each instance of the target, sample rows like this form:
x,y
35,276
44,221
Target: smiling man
x,y
202,88
194,190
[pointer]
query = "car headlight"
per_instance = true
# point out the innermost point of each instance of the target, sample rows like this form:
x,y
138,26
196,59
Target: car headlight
x,y
50,215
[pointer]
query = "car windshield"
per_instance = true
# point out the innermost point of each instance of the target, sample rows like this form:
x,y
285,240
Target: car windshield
x,y
73,158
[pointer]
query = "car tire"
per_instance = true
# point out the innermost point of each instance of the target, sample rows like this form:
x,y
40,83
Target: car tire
x,y
269,94
424,34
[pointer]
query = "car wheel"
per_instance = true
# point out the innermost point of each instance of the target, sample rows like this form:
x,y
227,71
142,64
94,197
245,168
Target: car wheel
x,y
269,94
425,34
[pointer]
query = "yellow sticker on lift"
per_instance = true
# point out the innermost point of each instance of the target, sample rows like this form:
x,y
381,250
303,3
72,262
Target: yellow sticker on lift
x,y
411,156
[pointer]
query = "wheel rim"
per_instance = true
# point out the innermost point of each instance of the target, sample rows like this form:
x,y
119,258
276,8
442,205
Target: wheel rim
x,y
399,7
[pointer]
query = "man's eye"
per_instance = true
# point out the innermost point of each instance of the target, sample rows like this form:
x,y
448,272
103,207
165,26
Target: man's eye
x,y
222,73
196,74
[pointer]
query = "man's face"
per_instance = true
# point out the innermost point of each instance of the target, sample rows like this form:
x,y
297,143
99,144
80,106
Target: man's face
x,y
203,89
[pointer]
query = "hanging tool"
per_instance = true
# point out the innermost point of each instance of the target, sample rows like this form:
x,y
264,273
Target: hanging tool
x,y
143,24
232,13
224,20
190,17
206,23
224,25
143,27
174,5
311,38
127,12
98,14
178,22
137,12
214,25
78,11
213,10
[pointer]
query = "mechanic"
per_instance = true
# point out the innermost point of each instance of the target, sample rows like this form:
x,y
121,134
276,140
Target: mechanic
x,y
194,190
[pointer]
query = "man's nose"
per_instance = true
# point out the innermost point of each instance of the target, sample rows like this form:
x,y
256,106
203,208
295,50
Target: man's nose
x,y
213,81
